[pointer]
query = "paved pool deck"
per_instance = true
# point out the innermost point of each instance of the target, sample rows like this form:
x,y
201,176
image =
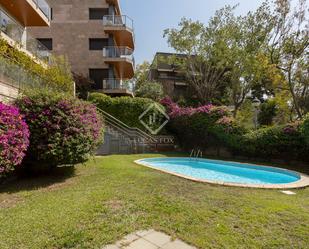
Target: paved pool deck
x,y
149,239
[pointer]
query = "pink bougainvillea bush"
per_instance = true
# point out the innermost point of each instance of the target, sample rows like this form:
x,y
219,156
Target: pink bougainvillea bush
x,y
14,138
202,126
213,126
64,131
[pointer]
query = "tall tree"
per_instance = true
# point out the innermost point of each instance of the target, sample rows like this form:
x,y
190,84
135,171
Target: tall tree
x,y
288,48
141,74
205,66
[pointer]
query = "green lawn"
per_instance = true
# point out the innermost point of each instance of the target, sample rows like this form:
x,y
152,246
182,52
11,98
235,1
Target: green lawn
x,y
100,202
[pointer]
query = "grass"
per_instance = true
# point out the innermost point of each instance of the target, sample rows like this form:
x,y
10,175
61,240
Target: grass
x,y
102,201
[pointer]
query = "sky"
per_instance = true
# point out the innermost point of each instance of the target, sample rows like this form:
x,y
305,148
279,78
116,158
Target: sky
x,y
152,17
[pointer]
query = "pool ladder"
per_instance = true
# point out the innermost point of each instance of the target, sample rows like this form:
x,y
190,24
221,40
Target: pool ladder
x,y
196,153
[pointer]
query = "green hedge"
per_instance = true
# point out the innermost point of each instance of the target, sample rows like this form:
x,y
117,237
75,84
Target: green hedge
x,y
126,109
202,130
205,130
278,142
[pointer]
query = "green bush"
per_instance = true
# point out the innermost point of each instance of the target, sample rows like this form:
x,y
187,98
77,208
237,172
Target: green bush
x,y
281,142
62,130
206,130
305,129
126,109
267,113
151,90
213,127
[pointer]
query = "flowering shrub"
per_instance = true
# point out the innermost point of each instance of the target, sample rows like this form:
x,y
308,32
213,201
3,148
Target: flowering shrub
x,y
203,126
213,126
63,131
14,138
175,111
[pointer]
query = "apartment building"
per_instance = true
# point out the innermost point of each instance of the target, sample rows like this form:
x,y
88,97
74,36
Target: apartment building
x,y
15,19
97,39
164,70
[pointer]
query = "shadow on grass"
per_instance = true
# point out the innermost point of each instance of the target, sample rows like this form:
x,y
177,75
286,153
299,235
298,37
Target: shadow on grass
x,y
24,181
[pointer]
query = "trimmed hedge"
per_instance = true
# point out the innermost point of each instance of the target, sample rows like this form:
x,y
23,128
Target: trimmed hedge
x,y
63,130
126,109
14,138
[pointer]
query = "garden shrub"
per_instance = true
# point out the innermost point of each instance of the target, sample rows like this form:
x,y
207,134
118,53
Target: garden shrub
x,y
279,142
63,130
151,90
213,127
126,109
305,129
204,126
14,138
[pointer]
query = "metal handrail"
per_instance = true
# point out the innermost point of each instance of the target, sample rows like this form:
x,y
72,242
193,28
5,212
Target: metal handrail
x,y
118,20
129,130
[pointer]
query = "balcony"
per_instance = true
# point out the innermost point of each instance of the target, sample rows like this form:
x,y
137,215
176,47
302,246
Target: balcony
x,y
117,87
16,36
122,59
29,12
121,27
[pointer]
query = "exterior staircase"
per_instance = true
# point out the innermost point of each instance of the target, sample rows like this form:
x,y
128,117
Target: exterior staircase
x,y
119,138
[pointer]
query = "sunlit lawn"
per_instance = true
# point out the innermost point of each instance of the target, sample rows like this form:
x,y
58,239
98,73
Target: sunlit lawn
x,y
100,202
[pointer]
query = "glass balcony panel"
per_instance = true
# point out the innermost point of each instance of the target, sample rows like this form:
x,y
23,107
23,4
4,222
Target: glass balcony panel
x,y
44,7
17,33
10,27
114,20
112,84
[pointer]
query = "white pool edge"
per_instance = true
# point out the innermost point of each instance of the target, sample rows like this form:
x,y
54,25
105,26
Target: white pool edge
x,y
301,183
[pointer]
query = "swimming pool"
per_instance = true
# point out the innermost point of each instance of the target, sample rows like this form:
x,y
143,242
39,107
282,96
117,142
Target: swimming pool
x,y
228,173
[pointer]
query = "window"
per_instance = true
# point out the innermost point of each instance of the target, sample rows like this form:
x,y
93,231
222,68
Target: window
x,y
97,43
46,42
97,76
97,14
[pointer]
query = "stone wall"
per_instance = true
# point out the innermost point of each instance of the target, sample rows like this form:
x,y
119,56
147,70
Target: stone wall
x,y
7,93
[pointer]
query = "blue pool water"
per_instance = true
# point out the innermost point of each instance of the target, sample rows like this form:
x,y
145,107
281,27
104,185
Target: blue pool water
x,y
221,171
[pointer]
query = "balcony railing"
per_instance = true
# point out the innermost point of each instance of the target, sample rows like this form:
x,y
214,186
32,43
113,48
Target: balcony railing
x,y
118,21
14,75
18,33
118,52
44,7
10,27
113,84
